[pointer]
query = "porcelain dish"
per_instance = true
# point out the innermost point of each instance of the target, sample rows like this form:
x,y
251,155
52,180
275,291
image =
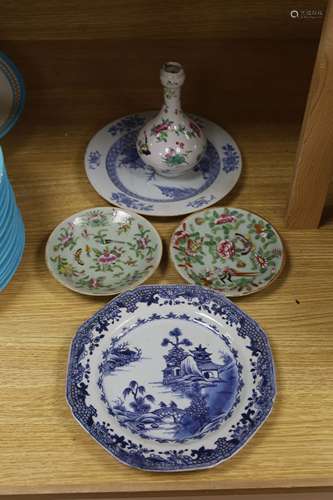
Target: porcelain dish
x,y
12,94
12,236
171,378
233,251
119,175
103,251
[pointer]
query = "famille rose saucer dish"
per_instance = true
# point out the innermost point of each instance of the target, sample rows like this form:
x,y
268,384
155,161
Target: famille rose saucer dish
x,y
171,378
12,94
233,251
119,175
103,251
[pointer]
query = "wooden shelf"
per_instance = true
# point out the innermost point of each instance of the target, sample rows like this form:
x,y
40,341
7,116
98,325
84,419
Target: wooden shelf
x,y
158,20
74,88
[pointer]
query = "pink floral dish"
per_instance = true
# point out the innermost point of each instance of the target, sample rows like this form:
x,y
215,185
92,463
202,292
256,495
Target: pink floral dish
x,y
103,251
228,249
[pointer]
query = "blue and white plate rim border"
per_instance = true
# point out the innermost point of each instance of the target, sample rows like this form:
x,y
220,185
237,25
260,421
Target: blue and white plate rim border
x,y
9,124
159,213
228,302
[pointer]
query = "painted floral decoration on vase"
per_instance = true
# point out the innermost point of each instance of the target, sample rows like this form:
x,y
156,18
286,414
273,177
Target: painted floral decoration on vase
x,y
103,251
231,250
172,142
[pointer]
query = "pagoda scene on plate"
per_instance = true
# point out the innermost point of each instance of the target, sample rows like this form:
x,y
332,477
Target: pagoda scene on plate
x,y
171,377
230,250
194,392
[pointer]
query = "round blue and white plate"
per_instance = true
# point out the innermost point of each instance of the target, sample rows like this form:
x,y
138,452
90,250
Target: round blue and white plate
x,y
118,174
12,94
171,378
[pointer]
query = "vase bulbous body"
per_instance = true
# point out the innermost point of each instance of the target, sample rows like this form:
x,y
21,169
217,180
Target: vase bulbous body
x,y
171,143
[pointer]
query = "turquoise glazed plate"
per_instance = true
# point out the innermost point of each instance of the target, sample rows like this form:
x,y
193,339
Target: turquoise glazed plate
x,y
233,251
103,251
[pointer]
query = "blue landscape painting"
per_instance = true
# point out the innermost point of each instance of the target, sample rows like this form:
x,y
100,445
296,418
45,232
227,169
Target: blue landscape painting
x,y
208,388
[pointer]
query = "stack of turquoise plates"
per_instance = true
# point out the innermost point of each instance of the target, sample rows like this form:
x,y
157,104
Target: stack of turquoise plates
x,y
11,229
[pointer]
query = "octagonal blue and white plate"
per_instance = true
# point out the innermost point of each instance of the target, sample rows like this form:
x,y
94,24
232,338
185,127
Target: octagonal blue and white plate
x,y
118,174
171,378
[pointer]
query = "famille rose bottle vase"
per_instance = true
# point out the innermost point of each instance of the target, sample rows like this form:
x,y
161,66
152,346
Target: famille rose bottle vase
x,y
171,143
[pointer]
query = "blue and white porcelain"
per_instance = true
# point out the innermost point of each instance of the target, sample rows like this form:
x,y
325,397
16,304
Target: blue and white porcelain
x,y
12,94
12,236
171,378
119,175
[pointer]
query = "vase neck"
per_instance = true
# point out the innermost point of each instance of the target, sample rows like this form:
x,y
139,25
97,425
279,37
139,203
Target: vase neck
x,y
172,103
172,78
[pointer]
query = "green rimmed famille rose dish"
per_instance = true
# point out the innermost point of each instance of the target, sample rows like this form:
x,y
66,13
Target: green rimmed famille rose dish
x,y
103,251
228,249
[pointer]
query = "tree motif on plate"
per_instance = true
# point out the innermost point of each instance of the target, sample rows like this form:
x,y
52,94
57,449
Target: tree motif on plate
x,y
191,456
209,389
